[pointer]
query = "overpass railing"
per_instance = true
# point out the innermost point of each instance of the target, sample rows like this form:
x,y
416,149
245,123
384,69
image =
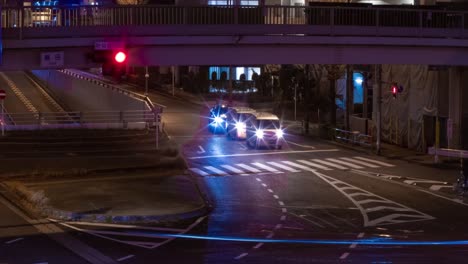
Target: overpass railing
x,y
38,17
136,119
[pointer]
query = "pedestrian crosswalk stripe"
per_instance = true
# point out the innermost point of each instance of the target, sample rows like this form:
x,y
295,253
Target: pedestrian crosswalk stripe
x,y
314,165
215,170
249,168
265,167
235,170
361,162
198,171
375,161
330,164
282,166
346,163
302,167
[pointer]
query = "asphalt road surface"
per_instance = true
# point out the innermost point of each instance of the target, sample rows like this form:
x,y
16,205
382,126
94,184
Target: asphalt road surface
x,y
310,202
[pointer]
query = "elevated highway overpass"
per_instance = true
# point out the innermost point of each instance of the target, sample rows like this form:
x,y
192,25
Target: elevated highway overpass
x,y
207,35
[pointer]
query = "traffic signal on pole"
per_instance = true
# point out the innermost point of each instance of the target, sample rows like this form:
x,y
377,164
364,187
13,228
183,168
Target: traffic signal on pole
x,y
114,62
394,90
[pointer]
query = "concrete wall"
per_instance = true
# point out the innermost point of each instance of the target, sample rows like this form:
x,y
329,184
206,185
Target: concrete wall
x,y
82,95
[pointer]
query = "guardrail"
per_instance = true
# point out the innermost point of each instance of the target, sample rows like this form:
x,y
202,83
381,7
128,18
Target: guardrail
x,y
353,137
138,119
454,153
375,17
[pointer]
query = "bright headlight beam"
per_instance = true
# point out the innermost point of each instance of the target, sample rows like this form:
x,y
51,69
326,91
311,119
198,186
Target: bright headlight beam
x,y
259,133
279,133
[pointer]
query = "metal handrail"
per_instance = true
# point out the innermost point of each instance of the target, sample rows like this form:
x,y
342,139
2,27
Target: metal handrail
x,y
61,16
455,153
353,137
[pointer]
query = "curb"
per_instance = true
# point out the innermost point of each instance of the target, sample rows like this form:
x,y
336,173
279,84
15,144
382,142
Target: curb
x,y
127,219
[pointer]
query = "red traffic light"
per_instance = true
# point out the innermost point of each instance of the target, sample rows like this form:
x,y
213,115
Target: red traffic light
x,y
394,90
120,57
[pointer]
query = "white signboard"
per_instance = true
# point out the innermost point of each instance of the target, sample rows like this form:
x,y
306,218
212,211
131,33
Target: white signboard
x,y
52,59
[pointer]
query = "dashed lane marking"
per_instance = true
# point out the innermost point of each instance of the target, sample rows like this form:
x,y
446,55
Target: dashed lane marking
x,y
300,145
125,258
241,256
14,240
438,187
257,246
345,255
414,182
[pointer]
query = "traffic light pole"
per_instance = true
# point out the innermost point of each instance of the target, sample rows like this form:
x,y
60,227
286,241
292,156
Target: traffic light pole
x,y
378,74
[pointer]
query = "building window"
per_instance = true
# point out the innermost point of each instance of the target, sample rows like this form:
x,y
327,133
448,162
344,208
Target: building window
x,y
231,2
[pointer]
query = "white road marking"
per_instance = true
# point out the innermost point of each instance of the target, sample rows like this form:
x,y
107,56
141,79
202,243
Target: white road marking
x,y
302,167
284,210
438,187
125,258
41,263
14,240
375,161
265,153
282,166
264,185
330,164
391,218
361,235
198,171
270,235
258,179
283,217
314,165
422,181
202,150
278,226
281,203
265,167
354,166
257,246
353,245
215,170
345,255
235,170
241,256
249,168
367,164
276,196
299,145
270,190
128,226
242,146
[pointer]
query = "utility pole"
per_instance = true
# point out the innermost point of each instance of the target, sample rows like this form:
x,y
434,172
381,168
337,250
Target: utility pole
x,y
378,75
349,95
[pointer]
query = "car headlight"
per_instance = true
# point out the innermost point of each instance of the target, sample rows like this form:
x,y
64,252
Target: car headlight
x,y
259,133
218,120
279,133
240,125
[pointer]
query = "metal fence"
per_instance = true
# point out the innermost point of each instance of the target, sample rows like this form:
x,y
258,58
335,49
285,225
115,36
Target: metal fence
x,y
32,17
353,137
138,119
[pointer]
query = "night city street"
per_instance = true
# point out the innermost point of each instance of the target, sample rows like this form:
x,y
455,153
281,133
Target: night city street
x,y
232,131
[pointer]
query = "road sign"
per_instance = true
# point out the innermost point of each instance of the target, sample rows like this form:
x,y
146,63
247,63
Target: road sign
x,y
52,59
108,45
2,94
